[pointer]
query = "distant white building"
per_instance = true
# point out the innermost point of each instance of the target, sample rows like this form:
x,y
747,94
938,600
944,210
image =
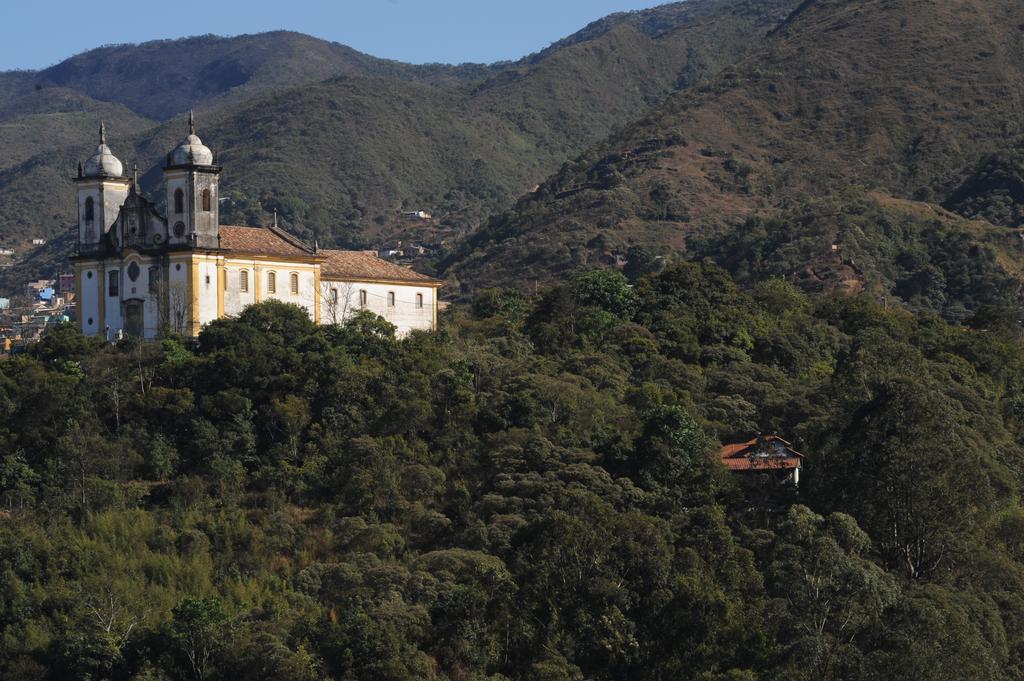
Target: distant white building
x,y
142,273
416,215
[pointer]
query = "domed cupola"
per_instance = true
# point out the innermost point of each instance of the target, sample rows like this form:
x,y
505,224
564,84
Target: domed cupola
x,y
191,152
103,163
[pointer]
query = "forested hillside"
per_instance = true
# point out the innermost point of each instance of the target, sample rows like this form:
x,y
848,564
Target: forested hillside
x,y
844,104
817,236
533,494
341,142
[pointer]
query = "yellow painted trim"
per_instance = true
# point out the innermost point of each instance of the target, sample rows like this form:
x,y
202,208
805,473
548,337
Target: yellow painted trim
x,y
317,294
193,263
165,294
222,285
270,257
78,295
101,303
429,283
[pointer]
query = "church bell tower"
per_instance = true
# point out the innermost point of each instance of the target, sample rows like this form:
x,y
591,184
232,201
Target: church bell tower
x,y
102,188
192,175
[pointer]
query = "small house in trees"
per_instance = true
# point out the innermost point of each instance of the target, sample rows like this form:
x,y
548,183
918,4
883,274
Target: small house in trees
x,y
765,455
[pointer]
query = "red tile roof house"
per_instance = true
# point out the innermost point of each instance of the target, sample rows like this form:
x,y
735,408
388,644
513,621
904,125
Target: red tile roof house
x,y
767,455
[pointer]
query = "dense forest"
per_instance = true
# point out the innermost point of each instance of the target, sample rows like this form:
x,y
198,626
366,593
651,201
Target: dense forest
x,y
532,493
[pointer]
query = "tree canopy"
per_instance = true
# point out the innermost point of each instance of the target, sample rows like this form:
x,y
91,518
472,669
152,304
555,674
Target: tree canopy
x,y
531,493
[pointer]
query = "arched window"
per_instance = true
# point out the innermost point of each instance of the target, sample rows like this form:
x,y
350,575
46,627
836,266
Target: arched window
x,y
362,298
154,280
391,298
272,282
334,296
206,200
419,301
113,284
90,209
243,281
179,201
294,280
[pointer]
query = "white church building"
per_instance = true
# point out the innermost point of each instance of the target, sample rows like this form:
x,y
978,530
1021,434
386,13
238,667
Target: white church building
x,y
142,273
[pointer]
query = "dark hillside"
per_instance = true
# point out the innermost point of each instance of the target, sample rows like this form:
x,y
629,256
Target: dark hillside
x,y
15,84
896,95
53,118
994,191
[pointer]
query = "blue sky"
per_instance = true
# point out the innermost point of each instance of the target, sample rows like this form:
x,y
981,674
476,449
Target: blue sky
x,y
38,33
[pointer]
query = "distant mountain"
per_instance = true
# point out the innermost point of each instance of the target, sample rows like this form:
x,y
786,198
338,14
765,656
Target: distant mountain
x,y
341,155
162,78
895,96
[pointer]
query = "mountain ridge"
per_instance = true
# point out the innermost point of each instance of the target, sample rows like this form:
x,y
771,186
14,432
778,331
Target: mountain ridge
x,y
541,112
897,96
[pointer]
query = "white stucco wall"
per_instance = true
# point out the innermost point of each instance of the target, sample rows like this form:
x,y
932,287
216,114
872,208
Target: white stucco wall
x,y
152,305
112,304
90,233
405,314
107,196
206,289
175,180
306,297
178,302
235,299
89,301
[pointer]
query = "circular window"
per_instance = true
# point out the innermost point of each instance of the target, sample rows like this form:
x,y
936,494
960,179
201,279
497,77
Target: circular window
x,y
90,321
133,271
177,268
88,275
179,229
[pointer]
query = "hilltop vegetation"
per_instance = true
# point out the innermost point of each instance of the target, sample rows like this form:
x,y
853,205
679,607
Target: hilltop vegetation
x,y
530,494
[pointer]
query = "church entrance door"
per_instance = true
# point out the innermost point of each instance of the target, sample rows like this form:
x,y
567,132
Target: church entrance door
x,y
133,324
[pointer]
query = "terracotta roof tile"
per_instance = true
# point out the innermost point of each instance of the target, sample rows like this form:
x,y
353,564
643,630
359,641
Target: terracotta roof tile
x,y
352,265
766,463
730,451
365,265
261,240
741,457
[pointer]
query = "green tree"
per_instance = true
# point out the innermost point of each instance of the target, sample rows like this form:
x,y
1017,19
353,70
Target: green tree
x,y
899,467
835,595
200,630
